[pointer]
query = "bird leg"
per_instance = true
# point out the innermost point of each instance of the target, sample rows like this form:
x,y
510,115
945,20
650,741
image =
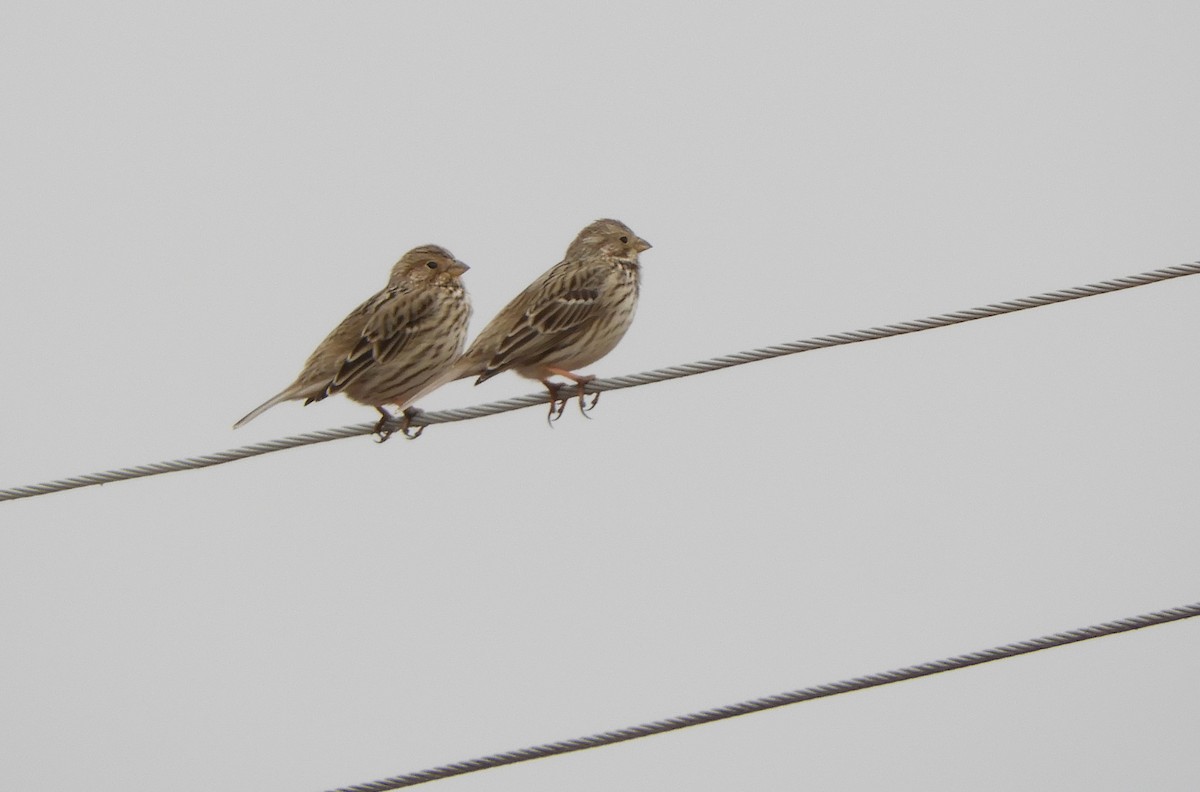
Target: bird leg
x,y
581,381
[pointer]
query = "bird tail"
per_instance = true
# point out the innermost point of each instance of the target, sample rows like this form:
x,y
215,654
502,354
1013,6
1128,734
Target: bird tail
x,y
279,398
464,367
484,375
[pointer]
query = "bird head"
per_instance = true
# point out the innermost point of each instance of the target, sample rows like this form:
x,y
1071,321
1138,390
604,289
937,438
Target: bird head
x,y
428,264
608,238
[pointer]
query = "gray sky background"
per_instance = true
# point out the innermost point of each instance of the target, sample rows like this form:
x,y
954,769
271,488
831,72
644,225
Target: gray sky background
x,y
193,194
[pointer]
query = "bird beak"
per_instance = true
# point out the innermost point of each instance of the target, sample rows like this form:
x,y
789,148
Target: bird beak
x,y
641,245
458,268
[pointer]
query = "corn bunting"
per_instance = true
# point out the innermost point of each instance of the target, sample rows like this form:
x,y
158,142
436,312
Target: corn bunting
x,y
570,317
396,346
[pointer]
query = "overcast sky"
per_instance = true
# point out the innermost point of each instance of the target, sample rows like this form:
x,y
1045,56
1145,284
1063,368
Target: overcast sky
x,y
193,194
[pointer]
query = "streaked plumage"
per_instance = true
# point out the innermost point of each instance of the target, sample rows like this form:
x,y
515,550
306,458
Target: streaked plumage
x,y
395,347
570,317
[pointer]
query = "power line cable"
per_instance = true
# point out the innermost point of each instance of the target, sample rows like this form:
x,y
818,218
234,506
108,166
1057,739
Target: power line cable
x,y
615,383
779,700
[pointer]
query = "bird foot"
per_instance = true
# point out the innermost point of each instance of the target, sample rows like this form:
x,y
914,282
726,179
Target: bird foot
x,y
557,405
385,429
410,432
584,407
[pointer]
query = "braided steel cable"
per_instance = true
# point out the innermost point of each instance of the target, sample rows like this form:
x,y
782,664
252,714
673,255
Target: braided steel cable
x,y
779,700
422,419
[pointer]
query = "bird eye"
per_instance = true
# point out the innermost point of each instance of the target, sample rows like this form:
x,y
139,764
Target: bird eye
x,y
624,240
431,264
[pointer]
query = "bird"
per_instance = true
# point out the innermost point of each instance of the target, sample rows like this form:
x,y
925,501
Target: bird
x,y
395,347
570,317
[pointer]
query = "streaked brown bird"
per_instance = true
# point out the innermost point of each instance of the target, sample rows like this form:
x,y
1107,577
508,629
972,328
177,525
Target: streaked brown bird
x,y
395,347
570,317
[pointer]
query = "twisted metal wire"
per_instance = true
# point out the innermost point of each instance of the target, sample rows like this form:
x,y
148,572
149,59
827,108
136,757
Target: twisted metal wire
x,y
779,700
615,383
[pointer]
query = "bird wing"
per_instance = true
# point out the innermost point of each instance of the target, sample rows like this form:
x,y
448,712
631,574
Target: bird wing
x,y
394,319
554,307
